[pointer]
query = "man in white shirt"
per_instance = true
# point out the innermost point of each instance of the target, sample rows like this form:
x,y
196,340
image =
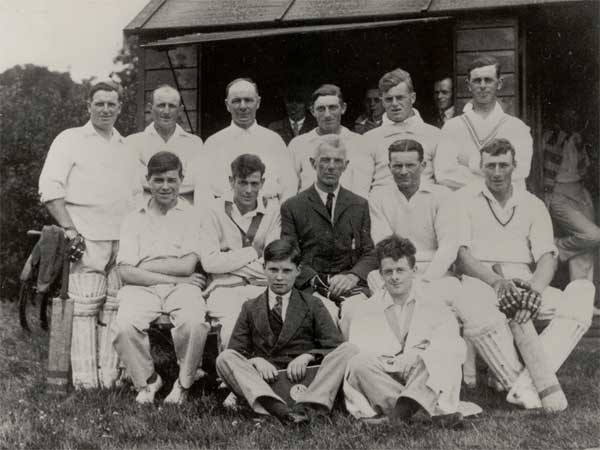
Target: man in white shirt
x,y
410,346
88,185
244,135
420,211
328,107
457,157
164,134
400,121
157,261
443,96
236,229
506,231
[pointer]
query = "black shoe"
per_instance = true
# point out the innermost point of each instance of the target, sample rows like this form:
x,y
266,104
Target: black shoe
x,y
452,421
294,418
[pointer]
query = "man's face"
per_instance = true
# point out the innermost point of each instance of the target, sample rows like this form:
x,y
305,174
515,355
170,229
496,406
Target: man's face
x,y
406,170
164,187
397,275
242,102
484,83
296,109
104,108
442,94
328,110
165,108
398,102
245,190
373,105
281,275
330,165
497,171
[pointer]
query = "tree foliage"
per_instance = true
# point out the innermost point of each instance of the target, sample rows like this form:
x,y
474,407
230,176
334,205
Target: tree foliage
x,y
35,105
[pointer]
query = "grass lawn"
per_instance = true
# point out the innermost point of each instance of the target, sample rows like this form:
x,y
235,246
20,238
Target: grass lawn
x,y
32,419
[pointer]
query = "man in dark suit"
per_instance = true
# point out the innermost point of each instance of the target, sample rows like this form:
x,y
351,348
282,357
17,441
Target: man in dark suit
x,y
284,329
333,229
297,121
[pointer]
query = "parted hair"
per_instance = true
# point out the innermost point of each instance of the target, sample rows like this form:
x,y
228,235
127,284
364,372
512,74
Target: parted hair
x,y
282,249
327,89
405,145
499,146
245,165
162,162
394,78
107,85
396,248
483,61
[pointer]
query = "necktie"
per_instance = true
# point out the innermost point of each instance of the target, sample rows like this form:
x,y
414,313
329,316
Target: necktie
x,y
295,128
277,319
329,203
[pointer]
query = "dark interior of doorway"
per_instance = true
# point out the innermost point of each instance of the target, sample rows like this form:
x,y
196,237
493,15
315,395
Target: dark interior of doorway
x,y
354,60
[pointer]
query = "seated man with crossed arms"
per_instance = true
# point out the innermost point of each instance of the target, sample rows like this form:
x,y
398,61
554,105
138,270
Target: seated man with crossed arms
x,y
284,328
236,229
507,230
158,254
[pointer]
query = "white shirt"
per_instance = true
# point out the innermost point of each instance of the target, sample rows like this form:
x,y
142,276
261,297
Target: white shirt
x,y
97,177
148,235
213,168
185,145
285,301
457,159
379,139
357,177
525,236
428,219
323,197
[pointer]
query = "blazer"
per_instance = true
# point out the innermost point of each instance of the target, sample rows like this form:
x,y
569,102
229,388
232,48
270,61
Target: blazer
x,y
344,246
307,328
284,129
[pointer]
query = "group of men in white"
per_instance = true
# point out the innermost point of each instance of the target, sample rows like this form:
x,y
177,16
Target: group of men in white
x,y
404,235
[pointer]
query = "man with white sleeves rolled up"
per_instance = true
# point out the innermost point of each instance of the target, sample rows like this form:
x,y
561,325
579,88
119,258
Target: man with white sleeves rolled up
x,y
236,229
506,231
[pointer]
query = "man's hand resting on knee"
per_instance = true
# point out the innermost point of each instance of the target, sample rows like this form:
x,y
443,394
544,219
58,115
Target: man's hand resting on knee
x,y
267,371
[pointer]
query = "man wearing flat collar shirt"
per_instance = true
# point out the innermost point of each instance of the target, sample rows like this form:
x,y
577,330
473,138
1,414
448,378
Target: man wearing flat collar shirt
x,y
400,121
244,135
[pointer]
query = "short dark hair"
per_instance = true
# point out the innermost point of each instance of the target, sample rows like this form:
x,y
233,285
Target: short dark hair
x,y
249,80
245,165
327,89
396,248
164,161
483,61
394,78
109,86
499,146
405,145
282,249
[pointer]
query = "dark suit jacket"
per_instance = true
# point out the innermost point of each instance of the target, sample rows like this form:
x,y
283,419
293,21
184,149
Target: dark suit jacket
x,y
284,129
342,247
307,328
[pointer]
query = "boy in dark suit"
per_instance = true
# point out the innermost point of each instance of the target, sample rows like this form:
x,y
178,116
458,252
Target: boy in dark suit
x,y
284,329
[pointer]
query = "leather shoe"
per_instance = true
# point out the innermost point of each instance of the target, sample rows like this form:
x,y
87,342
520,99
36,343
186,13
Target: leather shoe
x,y
453,421
294,418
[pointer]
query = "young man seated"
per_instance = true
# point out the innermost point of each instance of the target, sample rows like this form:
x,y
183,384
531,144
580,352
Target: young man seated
x,y
284,328
158,253
235,232
410,348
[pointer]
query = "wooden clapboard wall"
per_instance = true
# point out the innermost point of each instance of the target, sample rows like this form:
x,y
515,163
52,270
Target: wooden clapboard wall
x,y
495,37
157,71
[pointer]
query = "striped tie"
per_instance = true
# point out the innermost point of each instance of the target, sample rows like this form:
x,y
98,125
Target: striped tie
x,y
276,316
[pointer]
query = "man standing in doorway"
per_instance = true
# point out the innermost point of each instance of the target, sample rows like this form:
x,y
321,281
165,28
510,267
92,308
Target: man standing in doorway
x,y
443,97
373,112
297,120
